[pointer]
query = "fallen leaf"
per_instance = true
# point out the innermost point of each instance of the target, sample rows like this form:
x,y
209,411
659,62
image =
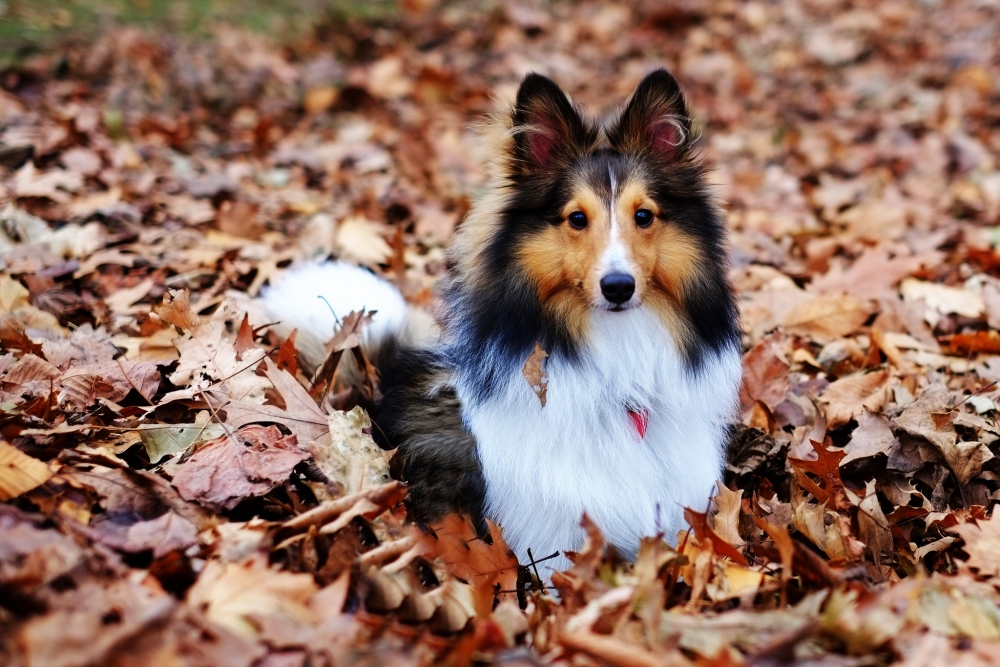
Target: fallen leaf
x,y
827,317
930,418
162,440
852,395
765,373
351,460
727,520
534,372
301,414
982,543
19,472
234,595
942,300
872,437
231,468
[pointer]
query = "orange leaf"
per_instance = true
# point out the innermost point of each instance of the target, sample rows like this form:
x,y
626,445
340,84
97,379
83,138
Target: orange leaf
x,y
704,533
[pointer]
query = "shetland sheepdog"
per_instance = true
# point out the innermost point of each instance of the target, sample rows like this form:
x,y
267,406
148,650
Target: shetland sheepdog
x,y
599,243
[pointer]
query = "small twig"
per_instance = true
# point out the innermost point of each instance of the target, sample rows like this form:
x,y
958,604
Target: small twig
x,y
332,312
978,391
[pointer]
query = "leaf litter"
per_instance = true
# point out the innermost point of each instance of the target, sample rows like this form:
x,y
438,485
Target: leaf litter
x,y
176,491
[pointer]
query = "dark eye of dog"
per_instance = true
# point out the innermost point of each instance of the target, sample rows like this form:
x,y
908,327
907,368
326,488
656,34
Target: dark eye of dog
x,y
578,219
643,217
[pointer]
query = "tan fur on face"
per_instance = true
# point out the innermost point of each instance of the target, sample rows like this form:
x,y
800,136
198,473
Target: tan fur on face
x,y
564,263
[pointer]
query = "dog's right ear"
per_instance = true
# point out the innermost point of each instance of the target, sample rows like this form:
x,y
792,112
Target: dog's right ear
x,y
546,128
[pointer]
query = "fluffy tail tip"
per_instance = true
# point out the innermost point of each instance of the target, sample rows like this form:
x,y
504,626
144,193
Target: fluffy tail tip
x,y
313,297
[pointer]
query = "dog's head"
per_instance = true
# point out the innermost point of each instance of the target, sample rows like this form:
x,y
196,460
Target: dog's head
x,y
604,217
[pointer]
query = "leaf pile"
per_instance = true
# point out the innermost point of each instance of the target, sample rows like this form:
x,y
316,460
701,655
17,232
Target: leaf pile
x,y
176,491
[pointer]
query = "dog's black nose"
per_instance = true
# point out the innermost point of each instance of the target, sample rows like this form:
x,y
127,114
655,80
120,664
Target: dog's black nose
x,y
617,287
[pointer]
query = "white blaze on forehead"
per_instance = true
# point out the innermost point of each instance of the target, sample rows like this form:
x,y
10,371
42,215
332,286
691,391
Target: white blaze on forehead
x,y
615,258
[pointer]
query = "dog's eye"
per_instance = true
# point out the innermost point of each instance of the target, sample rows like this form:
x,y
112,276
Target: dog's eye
x,y
643,217
578,219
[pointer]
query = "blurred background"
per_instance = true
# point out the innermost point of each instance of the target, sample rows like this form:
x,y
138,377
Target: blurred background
x,y
831,126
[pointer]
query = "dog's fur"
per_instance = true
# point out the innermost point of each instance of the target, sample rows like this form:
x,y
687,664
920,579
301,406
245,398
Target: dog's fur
x,y
471,433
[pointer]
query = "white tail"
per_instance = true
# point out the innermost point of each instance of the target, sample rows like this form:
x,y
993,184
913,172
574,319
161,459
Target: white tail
x,y
296,301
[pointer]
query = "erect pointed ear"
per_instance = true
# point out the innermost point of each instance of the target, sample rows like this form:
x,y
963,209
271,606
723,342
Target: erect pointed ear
x,y
545,126
655,119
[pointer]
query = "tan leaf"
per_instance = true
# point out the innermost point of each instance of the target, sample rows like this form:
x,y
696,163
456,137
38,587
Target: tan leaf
x,y
727,519
827,317
850,396
942,300
930,417
176,309
208,358
351,460
873,528
19,472
534,372
982,543
233,595
871,438
360,240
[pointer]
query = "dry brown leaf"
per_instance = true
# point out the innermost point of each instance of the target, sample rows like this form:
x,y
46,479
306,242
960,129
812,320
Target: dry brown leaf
x,y
765,373
982,543
726,521
301,414
871,438
229,469
466,556
931,418
534,372
828,317
852,395
234,595
873,528
351,459
19,472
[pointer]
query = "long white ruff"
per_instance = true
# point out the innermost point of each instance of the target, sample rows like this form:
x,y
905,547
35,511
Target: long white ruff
x,y
546,466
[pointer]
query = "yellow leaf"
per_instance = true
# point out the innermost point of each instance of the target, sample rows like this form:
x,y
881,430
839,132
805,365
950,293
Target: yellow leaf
x,y
19,472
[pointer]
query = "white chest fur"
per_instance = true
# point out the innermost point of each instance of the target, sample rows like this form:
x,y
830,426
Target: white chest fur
x,y
546,466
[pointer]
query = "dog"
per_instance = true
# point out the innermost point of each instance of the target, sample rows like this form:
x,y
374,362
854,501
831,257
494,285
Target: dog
x,y
600,246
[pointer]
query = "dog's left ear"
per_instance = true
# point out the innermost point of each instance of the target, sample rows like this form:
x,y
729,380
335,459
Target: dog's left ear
x,y
655,119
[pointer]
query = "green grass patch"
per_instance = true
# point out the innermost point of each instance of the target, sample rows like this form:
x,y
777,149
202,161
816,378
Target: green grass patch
x,y
27,26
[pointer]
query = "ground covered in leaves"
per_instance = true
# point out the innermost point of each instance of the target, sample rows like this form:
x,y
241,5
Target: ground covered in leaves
x,y
176,491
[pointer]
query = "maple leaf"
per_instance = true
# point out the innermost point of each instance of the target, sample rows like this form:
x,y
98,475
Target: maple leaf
x,y
830,488
467,556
